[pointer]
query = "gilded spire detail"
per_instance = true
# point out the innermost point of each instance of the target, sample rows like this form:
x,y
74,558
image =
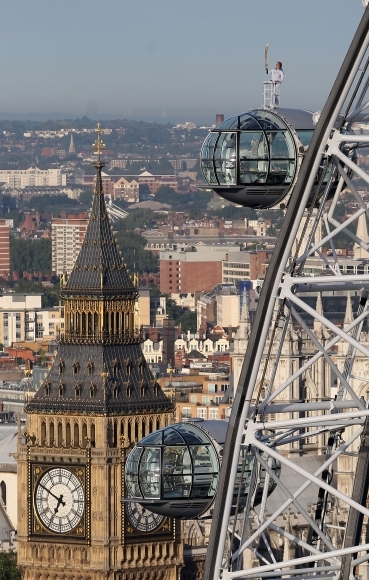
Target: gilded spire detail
x,y
98,147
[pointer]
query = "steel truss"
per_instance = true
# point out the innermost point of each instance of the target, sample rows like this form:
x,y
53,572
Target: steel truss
x,y
273,417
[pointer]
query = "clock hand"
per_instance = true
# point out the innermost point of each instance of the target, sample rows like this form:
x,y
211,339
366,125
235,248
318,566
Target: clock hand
x,y
60,501
50,492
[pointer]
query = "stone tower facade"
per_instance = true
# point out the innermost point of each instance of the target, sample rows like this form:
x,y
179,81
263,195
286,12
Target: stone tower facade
x,y
97,400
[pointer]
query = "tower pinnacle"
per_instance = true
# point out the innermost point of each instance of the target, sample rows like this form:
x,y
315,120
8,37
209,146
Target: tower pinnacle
x,y
98,146
72,148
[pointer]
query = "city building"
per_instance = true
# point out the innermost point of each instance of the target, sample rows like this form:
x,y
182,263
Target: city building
x,y
228,306
18,317
22,319
108,183
236,267
67,238
198,270
98,399
5,226
153,182
127,190
20,178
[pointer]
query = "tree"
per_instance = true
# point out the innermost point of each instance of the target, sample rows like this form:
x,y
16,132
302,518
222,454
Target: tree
x,y
135,256
173,310
50,295
189,321
30,255
8,566
85,198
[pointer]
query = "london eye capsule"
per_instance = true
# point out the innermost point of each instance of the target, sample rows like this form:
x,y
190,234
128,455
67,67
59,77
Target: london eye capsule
x,y
253,159
174,471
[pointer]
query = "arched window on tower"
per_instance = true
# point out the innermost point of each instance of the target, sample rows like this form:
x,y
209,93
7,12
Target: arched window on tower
x,y
115,367
115,390
61,389
75,367
92,390
90,366
128,367
61,366
3,492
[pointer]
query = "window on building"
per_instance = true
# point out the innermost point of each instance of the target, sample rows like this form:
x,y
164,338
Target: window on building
x,y
213,413
193,398
201,412
186,413
3,492
206,400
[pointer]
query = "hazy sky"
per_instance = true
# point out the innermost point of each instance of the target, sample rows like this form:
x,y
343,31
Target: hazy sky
x,y
167,59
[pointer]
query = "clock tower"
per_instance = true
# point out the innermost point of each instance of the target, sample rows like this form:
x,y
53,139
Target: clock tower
x,y
97,400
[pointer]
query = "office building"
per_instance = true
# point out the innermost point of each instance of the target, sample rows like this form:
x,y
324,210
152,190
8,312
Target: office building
x,y
67,238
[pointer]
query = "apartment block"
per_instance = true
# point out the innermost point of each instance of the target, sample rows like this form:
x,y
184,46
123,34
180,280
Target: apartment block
x,y
67,238
22,319
32,177
4,247
127,190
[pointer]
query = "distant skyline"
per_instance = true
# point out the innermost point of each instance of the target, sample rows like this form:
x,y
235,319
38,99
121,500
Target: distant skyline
x,y
167,60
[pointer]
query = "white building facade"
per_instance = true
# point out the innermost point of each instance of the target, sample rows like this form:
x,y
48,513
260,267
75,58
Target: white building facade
x,y
22,319
67,238
32,177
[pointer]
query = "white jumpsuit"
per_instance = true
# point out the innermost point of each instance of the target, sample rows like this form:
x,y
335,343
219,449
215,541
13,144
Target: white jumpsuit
x,y
277,77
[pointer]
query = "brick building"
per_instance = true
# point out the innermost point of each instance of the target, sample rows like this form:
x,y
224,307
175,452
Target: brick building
x,y
4,247
184,272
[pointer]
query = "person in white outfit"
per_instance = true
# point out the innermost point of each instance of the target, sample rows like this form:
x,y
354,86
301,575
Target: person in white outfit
x,y
277,77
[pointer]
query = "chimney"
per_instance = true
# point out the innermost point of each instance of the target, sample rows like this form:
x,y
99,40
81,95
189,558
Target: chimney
x,y
169,337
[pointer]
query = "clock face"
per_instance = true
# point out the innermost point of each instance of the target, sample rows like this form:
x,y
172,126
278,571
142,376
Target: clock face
x,y
142,519
59,500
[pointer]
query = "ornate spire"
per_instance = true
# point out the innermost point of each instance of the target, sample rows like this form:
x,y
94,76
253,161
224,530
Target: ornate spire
x,y
349,316
99,367
245,313
99,267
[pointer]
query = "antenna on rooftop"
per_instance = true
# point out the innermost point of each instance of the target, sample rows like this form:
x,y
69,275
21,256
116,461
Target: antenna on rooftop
x,y
266,51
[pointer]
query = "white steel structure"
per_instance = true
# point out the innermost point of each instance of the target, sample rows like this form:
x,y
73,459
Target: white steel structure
x,y
264,424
